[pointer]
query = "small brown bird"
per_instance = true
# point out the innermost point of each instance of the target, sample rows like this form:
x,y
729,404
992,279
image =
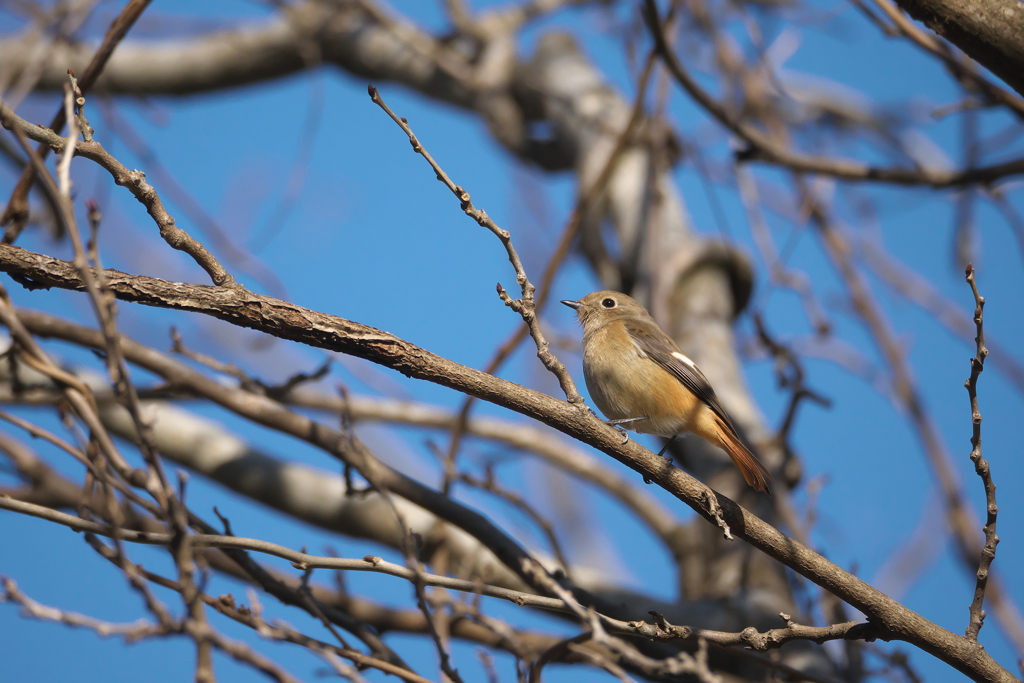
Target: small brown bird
x,y
638,377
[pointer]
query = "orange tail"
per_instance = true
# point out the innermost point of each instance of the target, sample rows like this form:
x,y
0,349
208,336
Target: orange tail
x,y
753,471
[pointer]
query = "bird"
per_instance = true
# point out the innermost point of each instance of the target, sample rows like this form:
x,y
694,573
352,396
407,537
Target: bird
x,y
638,377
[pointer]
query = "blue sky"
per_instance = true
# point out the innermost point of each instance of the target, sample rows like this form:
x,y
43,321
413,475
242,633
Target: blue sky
x,y
376,239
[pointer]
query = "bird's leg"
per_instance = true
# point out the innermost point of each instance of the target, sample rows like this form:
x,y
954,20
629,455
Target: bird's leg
x,y
625,420
618,425
667,444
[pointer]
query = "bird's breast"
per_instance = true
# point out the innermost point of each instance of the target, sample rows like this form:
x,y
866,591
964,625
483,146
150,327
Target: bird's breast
x,y
624,382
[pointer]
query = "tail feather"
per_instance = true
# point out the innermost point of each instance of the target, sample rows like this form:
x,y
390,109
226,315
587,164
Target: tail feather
x,y
754,472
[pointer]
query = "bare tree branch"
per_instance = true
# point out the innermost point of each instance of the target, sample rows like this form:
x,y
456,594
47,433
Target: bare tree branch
x,y
293,322
299,560
763,148
988,553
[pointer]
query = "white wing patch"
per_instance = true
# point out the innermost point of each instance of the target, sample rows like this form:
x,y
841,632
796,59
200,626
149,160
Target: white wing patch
x,y
684,359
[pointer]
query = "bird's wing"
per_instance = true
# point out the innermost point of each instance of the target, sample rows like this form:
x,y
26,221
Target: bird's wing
x,y
660,348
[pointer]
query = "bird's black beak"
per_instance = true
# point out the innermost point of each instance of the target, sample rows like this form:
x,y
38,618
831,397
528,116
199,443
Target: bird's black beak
x,y
572,304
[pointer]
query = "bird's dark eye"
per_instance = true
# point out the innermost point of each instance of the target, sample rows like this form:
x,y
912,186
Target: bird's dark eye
x,y
608,303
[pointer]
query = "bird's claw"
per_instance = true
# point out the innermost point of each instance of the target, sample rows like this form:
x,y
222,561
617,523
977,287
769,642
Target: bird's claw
x,y
617,424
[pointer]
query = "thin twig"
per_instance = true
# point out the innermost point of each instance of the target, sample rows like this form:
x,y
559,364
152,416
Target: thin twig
x,y
105,308
136,183
766,641
17,206
988,553
239,258
584,201
132,633
958,512
525,307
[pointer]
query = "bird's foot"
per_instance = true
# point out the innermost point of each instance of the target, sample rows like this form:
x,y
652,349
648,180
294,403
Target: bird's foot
x,y
618,425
